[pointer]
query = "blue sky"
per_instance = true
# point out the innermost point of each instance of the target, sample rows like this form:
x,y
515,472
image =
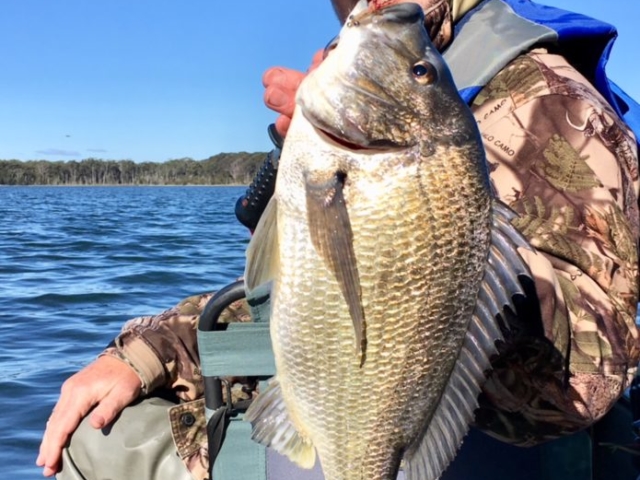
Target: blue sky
x,y
150,80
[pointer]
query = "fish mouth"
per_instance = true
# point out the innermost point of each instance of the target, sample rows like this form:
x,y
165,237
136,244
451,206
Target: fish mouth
x,y
360,144
342,142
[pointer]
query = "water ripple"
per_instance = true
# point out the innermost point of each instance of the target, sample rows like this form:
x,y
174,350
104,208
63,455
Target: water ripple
x,y
75,263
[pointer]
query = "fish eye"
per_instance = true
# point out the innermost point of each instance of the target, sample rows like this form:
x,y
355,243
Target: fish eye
x,y
333,43
424,72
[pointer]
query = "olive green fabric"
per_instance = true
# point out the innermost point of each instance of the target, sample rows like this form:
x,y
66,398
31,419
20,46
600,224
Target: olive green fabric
x,y
244,349
240,458
137,446
490,39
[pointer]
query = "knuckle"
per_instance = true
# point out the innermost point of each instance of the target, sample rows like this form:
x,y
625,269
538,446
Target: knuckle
x,y
69,384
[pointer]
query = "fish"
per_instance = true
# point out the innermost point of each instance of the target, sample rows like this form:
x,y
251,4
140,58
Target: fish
x,y
390,260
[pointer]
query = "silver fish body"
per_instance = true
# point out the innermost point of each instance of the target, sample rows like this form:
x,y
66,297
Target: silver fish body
x,y
381,231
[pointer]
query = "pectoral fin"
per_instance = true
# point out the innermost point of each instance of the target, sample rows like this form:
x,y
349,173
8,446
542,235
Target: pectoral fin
x,y
262,253
331,234
428,458
272,427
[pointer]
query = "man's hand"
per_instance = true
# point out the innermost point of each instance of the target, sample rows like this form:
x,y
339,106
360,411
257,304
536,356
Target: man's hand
x,y
108,384
280,86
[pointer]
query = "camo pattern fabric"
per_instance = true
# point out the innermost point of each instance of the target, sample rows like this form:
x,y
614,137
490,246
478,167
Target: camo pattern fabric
x,y
163,350
561,158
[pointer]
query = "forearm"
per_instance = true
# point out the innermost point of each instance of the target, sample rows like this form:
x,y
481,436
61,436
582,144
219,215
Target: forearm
x,y
163,348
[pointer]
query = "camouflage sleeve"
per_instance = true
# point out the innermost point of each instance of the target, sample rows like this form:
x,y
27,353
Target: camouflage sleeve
x,y
562,159
163,348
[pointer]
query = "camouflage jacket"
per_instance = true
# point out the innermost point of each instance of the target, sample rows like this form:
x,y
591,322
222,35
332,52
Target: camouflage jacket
x,y
561,158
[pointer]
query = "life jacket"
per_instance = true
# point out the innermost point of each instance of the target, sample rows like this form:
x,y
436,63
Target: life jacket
x,y
496,31
475,57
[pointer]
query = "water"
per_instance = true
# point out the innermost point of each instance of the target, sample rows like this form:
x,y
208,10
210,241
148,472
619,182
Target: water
x,y
75,263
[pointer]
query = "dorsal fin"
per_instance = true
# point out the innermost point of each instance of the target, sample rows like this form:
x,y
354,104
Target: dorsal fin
x,y
428,458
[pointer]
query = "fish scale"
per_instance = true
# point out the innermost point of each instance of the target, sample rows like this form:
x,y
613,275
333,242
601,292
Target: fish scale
x,y
377,241
392,326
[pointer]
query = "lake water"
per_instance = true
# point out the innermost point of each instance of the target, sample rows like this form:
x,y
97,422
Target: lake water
x,y
75,263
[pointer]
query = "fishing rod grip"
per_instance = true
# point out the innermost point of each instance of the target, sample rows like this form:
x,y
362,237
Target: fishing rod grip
x,y
250,206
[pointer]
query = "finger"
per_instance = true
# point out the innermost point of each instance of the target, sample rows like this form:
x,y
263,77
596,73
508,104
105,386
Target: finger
x,y
280,89
100,418
108,409
282,125
279,99
65,418
50,471
285,78
281,85
54,440
50,463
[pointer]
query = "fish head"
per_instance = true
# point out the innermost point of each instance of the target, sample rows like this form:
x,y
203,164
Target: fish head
x,y
383,85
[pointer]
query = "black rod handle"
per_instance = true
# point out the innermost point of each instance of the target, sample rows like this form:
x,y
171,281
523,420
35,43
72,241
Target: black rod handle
x,y
250,206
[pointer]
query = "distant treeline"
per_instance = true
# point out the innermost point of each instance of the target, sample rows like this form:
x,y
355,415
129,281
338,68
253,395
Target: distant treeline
x,y
221,169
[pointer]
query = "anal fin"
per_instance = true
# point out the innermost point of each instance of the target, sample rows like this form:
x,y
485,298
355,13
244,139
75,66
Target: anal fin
x,y
272,427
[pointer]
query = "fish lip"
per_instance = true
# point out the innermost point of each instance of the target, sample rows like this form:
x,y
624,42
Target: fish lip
x,y
352,146
341,142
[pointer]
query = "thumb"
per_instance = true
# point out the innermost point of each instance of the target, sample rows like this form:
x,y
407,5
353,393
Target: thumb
x,y
110,406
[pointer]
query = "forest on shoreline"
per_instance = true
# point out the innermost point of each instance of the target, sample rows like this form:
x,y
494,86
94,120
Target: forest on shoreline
x,y
222,169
